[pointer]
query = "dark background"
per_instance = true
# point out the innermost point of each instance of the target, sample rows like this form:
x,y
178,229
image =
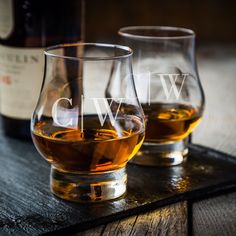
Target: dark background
x,y
214,21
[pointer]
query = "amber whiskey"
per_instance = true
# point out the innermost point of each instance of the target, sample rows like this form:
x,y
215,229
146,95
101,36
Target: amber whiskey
x,y
169,122
95,148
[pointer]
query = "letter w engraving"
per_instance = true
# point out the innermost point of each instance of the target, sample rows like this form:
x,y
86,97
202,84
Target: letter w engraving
x,y
108,110
173,80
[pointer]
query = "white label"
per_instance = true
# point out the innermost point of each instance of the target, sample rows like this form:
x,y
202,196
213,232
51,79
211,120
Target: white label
x,y
21,76
6,18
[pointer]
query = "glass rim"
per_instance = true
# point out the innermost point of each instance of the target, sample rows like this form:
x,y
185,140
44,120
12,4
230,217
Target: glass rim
x,y
189,33
128,50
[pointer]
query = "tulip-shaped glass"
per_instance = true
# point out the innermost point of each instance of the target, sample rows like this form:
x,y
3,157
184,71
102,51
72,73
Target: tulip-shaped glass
x,y
168,88
88,122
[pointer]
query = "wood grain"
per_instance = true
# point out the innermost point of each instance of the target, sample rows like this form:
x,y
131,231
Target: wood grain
x,y
28,207
215,216
170,220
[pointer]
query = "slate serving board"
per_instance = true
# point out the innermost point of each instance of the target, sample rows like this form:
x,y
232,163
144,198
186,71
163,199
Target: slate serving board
x,y
28,208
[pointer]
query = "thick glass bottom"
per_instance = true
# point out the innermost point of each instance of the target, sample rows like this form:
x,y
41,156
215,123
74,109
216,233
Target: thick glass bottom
x,y
170,154
88,187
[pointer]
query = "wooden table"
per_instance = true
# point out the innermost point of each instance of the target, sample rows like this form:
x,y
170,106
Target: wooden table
x,y
215,215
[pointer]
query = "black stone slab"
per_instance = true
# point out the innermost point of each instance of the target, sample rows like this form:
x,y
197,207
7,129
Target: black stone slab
x,y
28,208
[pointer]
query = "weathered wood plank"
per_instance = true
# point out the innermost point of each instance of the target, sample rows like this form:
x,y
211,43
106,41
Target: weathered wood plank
x,y
215,216
97,231
170,220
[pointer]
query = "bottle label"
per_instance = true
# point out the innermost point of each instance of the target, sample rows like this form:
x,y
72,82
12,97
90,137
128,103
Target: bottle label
x,y
21,76
6,18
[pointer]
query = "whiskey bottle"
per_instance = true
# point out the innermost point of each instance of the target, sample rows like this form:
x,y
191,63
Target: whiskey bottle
x,y
26,28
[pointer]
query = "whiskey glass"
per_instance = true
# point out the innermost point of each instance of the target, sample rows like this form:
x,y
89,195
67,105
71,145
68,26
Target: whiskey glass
x,y
169,90
88,122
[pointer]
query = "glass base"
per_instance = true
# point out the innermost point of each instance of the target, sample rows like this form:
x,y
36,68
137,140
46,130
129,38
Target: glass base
x,y
169,154
88,187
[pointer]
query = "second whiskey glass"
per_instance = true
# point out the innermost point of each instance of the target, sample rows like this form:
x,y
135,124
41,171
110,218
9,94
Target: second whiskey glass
x,y
88,122
168,88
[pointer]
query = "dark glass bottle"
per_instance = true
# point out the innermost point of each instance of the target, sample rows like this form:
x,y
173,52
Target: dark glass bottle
x,y
26,28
